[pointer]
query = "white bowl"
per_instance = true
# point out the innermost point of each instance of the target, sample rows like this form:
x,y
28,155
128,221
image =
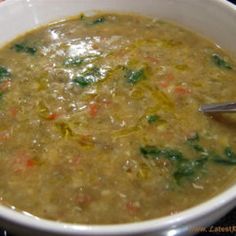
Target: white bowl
x,y
215,19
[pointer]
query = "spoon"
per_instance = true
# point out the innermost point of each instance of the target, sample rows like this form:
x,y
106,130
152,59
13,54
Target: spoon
x,y
218,107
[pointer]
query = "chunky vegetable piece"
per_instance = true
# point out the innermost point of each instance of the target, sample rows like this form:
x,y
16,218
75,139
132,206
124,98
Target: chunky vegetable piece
x,y
102,109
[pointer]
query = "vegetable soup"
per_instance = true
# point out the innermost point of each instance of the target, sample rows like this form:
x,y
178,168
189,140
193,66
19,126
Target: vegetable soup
x,y
100,121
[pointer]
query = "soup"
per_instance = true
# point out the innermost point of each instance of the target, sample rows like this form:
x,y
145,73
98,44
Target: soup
x,y
100,121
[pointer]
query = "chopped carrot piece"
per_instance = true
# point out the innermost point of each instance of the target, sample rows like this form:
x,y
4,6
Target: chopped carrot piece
x,y
164,84
93,110
132,207
5,85
170,77
4,135
180,90
22,161
13,112
83,199
53,116
30,163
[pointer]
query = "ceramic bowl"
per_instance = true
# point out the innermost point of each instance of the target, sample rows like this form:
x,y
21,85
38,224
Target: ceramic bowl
x,y
214,19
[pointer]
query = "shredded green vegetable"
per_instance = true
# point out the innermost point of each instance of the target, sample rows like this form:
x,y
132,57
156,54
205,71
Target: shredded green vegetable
x,y
185,167
22,47
220,62
134,76
229,159
4,72
99,20
155,152
188,168
90,76
83,81
193,142
152,118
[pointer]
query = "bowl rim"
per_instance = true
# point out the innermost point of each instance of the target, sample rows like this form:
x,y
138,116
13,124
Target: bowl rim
x,y
167,222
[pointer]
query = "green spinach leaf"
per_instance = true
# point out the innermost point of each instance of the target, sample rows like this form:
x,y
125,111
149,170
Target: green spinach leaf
x,y
4,72
220,62
193,142
152,118
23,48
134,76
90,76
99,20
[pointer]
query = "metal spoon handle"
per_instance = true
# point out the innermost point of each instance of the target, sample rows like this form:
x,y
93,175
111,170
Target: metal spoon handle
x,y
219,107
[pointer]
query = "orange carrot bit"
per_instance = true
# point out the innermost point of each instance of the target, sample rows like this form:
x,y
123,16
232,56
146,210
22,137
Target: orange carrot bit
x,y
93,110
30,163
53,116
164,84
83,199
4,136
22,162
132,207
170,77
5,85
180,90
13,112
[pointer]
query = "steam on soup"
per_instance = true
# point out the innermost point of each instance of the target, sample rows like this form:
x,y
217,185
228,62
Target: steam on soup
x,y
100,122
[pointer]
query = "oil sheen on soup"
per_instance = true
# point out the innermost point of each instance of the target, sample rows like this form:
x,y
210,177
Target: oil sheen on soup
x,y
100,121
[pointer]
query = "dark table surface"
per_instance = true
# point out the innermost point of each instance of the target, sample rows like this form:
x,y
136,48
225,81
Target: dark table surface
x,y
226,221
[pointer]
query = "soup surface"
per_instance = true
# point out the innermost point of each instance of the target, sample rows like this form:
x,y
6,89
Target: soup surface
x,y
100,122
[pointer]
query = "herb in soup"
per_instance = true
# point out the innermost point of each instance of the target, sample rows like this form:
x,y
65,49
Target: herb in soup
x,y
4,72
220,62
22,47
152,118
